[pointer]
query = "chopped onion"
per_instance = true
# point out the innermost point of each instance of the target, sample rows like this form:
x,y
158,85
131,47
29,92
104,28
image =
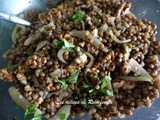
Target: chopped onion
x,y
54,73
20,100
104,27
60,55
41,45
65,109
116,39
91,59
32,38
14,33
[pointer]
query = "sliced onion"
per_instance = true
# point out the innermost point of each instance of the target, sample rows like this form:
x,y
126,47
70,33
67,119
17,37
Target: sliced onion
x,y
98,10
97,42
41,45
91,111
95,32
104,27
51,24
91,59
135,66
139,70
54,73
84,34
54,93
36,83
60,55
32,38
65,109
7,53
116,39
83,25
79,34
14,33
20,100
112,19
135,78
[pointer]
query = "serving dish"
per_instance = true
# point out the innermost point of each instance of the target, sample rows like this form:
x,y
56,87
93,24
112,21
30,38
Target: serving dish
x,y
143,9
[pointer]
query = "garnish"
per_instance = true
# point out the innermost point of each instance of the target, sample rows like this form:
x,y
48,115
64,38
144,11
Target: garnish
x,y
99,21
71,79
10,68
28,73
18,108
84,105
62,116
63,84
105,80
126,48
63,44
27,53
31,110
78,16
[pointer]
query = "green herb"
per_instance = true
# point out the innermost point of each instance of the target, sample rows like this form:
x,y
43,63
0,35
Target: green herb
x,y
84,105
63,44
62,116
107,92
89,88
99,21
31,110
10,68
18,33
85,85
76,97
28,73
78,16
12,29
68,45
18,108
126,48
71,79
58,43
27,53
63,84
100,108
105,80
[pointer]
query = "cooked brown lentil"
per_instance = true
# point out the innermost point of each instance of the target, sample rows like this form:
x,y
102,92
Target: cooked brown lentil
x,y
42,63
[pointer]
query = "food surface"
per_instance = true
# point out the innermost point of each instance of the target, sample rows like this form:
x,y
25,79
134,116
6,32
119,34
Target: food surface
x,y
84,56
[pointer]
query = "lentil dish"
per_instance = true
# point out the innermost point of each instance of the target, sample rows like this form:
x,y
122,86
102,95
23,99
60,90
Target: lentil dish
x,y
95,51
